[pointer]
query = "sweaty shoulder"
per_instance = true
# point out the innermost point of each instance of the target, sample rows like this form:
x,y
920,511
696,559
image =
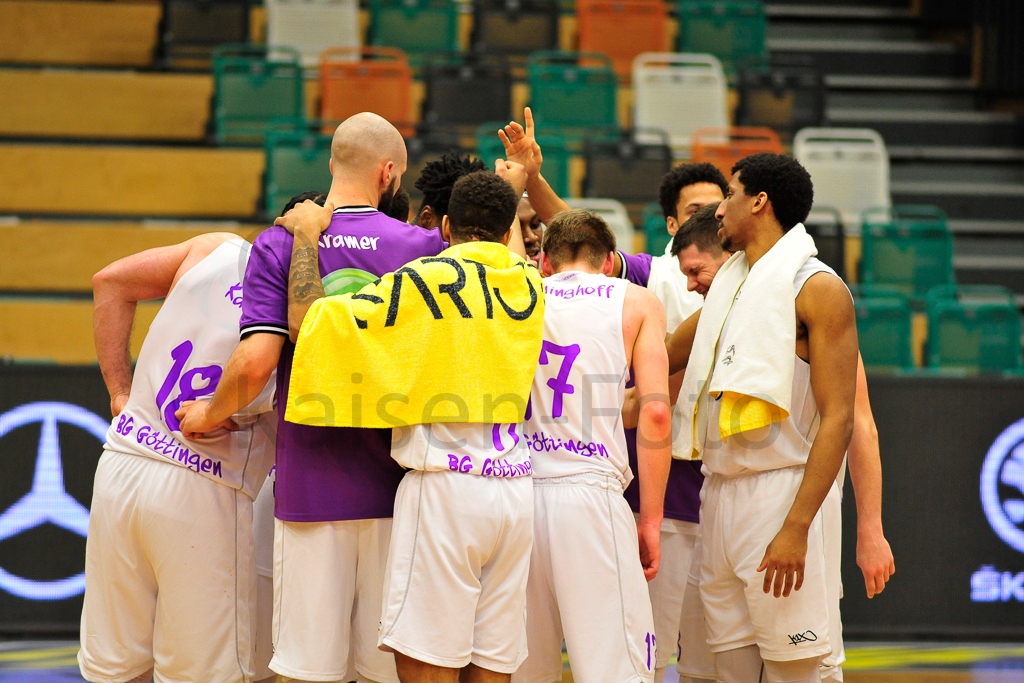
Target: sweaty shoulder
x,y
641,304
200,247
824,295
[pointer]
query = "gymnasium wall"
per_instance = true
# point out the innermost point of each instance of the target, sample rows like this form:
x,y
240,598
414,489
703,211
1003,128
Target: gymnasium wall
x,y
934,434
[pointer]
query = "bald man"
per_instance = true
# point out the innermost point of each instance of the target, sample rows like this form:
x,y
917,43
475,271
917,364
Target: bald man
x,y
336,487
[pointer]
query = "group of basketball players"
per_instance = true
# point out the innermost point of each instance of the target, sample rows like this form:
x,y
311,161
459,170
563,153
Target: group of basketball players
x,y
389,562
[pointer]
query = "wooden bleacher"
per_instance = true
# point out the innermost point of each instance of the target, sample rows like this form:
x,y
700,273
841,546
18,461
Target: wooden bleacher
x,y
59,330
78,32
121,105
129,181
62,256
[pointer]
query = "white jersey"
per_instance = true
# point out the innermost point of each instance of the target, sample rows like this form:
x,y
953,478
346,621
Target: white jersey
x,y
489,450
783,444
182,359
574,422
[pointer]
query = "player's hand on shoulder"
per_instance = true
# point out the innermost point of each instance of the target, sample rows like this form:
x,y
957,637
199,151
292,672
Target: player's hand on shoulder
x,y
874,557
307,217
784,561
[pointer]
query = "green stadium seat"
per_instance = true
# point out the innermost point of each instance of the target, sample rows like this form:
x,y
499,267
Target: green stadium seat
x,y
973,328
254,84
415,26
298,160
883,328
573,90
732,30
907,247
553,145
656,233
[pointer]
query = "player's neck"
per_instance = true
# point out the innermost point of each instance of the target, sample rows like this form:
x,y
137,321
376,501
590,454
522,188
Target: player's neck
x,y
351,195
764,238
579,267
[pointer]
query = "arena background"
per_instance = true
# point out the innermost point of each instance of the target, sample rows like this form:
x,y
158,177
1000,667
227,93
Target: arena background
x,y
118,132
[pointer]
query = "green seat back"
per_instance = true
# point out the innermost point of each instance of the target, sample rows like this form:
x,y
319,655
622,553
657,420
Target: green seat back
x,y
553,146
656,233
732,30
884,332
297,161
252,87
415,26
566,93
907,247
974,328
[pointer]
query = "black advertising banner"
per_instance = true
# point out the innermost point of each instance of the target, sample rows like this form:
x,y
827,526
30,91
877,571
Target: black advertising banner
x,y
953,504
953,510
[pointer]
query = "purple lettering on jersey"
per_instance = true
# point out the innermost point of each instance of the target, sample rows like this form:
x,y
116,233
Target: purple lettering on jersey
x,y
559,383
234,294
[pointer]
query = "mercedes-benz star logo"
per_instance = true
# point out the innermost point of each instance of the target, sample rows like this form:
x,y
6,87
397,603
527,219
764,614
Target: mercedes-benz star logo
x,y
1004,505
47,501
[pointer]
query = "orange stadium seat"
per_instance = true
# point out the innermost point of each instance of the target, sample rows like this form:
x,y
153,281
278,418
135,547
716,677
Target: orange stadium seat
x,y
622,29
723,147
379,82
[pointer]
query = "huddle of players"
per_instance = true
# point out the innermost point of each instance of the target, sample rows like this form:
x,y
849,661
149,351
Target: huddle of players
x,y
187,611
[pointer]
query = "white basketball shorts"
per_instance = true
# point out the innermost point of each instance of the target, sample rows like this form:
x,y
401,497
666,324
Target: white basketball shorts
x,y
739,518
587,585
328,583
263,535
695,658
170,577
832,530
677,542
455,589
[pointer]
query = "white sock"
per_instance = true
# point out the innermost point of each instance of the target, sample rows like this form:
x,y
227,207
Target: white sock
x,y
796,671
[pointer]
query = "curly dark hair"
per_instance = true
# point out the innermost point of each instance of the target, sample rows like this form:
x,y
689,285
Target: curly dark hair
x,y
438,177
317,197
399,207
701,229
482,207
686,174
787,184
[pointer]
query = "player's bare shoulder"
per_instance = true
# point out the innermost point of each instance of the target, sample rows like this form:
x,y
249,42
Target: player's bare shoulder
x,y
824,301
199,247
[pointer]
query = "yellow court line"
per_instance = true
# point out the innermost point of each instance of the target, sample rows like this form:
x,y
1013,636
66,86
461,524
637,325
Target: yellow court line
x,y
888,658
23,655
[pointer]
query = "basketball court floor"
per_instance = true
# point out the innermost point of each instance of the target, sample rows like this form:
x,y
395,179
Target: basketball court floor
x,y
54,662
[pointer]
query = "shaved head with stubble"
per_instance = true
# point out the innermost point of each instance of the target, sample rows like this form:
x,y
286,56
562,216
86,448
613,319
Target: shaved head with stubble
x,y
368,158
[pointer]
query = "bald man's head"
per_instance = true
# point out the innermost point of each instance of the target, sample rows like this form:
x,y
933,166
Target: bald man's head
x,y
367,149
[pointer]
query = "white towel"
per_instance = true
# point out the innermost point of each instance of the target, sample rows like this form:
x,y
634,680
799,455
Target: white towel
x,y
755,371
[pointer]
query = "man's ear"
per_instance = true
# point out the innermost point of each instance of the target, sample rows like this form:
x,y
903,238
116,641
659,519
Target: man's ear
x,y
545,265
385,176
330,165
505,239
672,225
759,203
426,218
446,230
608,267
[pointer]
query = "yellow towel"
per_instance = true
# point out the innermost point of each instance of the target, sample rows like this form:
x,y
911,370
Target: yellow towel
x,y
451,338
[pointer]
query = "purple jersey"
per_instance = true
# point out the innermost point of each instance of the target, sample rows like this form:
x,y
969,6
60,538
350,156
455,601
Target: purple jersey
x,y
682,495
636,269
329,474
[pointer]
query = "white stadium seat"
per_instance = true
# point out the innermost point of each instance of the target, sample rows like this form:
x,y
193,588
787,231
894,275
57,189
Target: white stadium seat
x,y
679,92
614,213
849,168
311,26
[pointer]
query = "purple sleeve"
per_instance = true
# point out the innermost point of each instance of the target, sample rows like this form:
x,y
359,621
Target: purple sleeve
x,y
265,287
636,269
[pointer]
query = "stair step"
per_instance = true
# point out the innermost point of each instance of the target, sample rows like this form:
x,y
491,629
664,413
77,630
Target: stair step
x,y
898,82
879,58
823,11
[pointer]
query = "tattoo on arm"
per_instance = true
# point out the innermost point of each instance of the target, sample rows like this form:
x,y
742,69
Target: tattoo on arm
x,y
304,284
